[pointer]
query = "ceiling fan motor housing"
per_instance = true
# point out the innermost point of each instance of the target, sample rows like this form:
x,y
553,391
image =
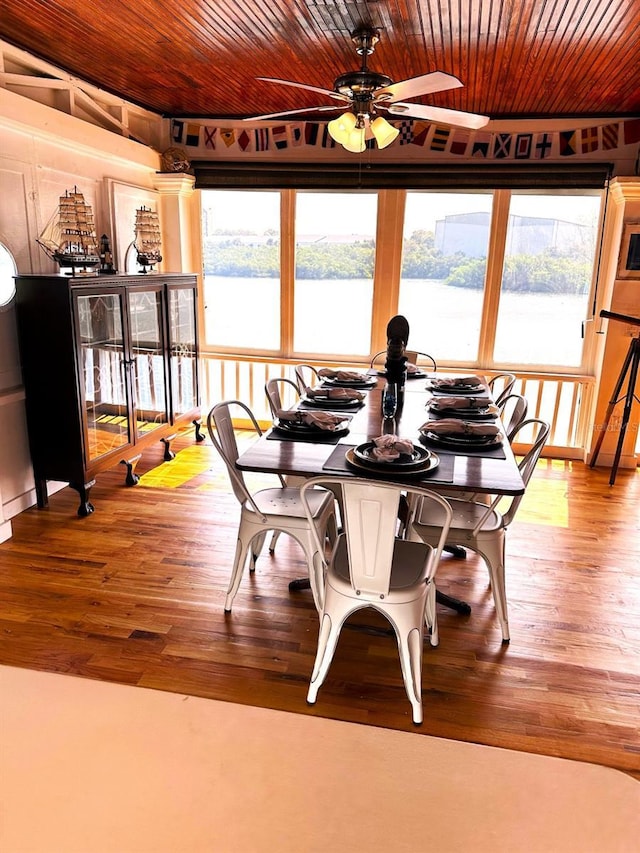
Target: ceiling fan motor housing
x,y
360,84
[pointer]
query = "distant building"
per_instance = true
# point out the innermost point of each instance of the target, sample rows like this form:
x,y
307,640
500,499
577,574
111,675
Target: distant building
x,y
527,235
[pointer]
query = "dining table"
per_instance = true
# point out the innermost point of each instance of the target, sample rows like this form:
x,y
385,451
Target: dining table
x,y
454,466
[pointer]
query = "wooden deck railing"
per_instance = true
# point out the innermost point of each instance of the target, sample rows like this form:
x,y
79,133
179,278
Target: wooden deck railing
x,y
560,399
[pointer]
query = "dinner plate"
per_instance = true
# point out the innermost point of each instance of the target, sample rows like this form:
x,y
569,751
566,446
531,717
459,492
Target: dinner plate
x,y
302,429
365,382
419,456
330,402
422,461
468,413
464,442
454,389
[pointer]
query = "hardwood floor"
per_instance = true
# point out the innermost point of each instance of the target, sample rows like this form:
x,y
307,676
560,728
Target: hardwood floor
x,y
134,594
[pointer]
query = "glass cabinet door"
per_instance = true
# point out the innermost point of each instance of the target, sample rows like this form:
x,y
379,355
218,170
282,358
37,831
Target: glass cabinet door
x,y
183,350
149,366
104,372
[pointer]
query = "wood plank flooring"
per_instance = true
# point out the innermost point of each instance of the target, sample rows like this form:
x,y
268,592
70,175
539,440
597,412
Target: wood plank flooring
x,y
134,594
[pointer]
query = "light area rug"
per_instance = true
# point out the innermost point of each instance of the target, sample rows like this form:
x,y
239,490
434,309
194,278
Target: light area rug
x,y
92,767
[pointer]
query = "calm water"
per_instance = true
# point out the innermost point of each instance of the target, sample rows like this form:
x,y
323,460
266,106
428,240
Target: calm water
x,y
335,317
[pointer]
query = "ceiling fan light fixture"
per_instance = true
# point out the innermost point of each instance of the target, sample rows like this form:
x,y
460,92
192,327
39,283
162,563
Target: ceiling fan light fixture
x,y
355,141
384,132
341,128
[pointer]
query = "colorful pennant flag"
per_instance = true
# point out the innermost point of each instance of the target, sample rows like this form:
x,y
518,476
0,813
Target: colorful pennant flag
x,y
406,132
480,145
297,134
228,135
543,146
523,146
610,136
420,132
244,140
261,139
210,137
440,138
459,142
567,141
589,137
279,136
632,131
502,146
192,135
177,129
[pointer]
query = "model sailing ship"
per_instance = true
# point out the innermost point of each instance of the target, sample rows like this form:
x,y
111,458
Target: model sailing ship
x,y
69,238
147,240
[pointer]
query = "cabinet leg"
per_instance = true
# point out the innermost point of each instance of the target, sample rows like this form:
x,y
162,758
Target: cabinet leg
x,y
42,495
131,479
86,507
168,453
199,434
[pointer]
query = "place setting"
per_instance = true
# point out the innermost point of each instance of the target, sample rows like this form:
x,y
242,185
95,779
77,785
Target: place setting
x,y
297,425
390,456
476,408
413,371
457,385
349,399
346,379
464,436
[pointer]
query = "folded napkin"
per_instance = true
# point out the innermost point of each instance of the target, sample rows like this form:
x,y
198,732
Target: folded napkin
x,y
462,403
456,381
390,447
324,420
412,368
452,426
342,375
335,393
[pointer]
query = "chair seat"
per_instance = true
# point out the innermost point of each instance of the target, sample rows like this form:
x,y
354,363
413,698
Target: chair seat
x,y
408,568
466,515
286,502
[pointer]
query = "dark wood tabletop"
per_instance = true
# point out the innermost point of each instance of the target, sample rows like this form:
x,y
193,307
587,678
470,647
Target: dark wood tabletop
x,y
493,471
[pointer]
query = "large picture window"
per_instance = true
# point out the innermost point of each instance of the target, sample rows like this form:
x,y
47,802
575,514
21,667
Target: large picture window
x,y
486,278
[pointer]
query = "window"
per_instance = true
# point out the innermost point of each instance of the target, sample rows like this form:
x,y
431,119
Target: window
x,y
444,259
7,271
546,279
335,253
241,250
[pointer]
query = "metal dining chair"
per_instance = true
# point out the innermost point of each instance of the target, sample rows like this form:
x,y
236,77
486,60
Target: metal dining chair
x,y
278,509
276,389
412,357
500,386
370,566
306,377
481,527
513,410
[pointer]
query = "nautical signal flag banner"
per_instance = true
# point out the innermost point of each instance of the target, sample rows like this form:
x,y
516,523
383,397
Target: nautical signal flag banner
x,y
435,141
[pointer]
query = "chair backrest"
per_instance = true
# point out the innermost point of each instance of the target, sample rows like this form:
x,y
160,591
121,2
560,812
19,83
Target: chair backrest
x,y
412,356
275,389
306,377
223,438
371,524
513,410
540,431
501,385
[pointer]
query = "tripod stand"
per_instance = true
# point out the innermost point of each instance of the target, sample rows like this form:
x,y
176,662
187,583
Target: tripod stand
x,y
630,366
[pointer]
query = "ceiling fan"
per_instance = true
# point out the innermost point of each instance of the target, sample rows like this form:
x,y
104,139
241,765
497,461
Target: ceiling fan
x,y
368,94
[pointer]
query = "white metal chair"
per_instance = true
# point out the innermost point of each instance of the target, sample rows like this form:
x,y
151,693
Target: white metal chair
x,y
306,377
371,567
276,389
513,410
413,357
482,528
278,509
500,386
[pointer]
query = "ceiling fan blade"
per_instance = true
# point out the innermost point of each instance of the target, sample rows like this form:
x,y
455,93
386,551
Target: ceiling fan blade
x,y
455,117
338,96
331,108
437,81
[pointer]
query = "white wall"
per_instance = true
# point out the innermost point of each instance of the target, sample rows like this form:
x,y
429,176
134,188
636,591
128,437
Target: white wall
x,y
43,153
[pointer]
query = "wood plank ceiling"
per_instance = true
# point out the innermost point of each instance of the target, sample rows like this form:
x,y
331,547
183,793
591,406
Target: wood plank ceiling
x,y
516,58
